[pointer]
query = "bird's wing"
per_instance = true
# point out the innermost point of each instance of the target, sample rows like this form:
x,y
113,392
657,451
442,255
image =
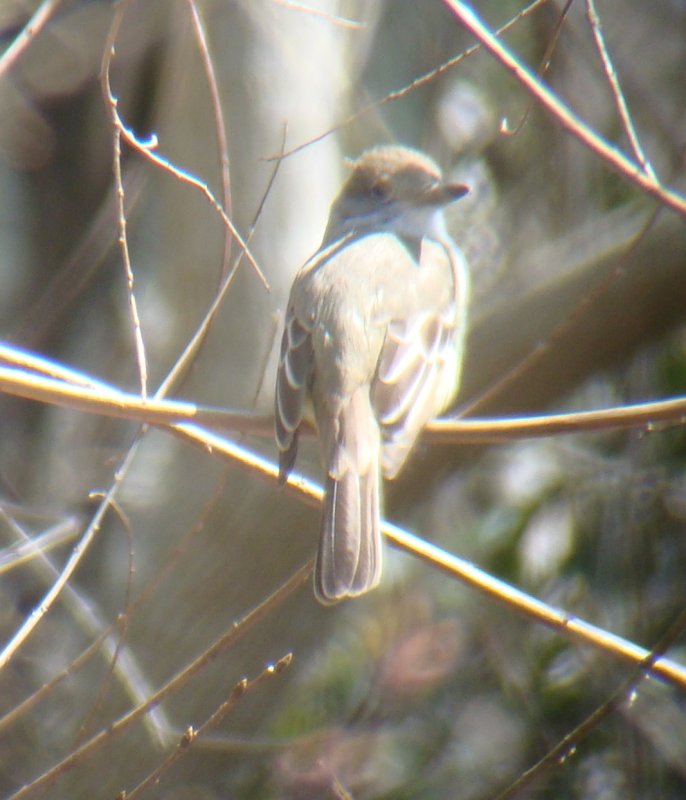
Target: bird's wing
x,y
292,380
415,358
418,367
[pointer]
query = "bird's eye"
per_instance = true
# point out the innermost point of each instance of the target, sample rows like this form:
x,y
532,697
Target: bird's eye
x,y
380,190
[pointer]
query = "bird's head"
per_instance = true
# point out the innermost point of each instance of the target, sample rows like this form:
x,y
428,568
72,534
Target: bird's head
x,y
394,189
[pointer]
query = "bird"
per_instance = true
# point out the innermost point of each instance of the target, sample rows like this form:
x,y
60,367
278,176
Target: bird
x,y
372,348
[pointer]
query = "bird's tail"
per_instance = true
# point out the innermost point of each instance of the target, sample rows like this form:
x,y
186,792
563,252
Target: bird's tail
x,y
350,549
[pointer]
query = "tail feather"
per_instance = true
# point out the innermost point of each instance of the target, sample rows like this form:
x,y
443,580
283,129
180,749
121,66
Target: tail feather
x,y
350,548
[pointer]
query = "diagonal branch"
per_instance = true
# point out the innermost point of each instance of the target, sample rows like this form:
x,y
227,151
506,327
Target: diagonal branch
x,y
35,378
564,115
617,94
458,568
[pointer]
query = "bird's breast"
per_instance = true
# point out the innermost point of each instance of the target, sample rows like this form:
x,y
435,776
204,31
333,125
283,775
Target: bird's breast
x,y
348,299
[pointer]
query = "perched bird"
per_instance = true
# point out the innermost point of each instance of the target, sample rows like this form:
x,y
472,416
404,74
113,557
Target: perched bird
x,y
372,343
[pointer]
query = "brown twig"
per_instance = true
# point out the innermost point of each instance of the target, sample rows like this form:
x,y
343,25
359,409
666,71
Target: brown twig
x,y
564,115
147,150
398,94
111,102
192,347
105,633
219,124
335,19
458,568
192,734
569,743
236,632
616,89
109,401
33,27
505,129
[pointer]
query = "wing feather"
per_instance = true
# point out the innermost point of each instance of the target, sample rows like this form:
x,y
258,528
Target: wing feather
x,y
292,381
418,365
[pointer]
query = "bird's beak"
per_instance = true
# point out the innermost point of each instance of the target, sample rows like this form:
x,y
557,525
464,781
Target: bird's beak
x,y
444,193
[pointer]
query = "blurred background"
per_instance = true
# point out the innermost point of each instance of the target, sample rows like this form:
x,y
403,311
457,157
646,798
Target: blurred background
x,y
422,689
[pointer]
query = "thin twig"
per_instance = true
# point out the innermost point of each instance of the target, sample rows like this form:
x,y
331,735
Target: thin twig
x,y
568,745
194,344
61,581
127,669
137,689
505,129
236,632
111,402
33,27
617,94
569,121
192,734
335,19
398,94
111,102
147,150
219,124
464,571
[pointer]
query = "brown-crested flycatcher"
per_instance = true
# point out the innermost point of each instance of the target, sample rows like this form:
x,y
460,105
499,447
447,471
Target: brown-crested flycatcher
x,y
373,338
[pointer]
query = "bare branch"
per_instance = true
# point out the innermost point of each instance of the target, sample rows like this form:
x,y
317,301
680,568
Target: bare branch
x,y
341,22
568,744
417,83
111,101
235,632
78,393
218,114
464,571
147,150
617,94
191,735
33,27
570,121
